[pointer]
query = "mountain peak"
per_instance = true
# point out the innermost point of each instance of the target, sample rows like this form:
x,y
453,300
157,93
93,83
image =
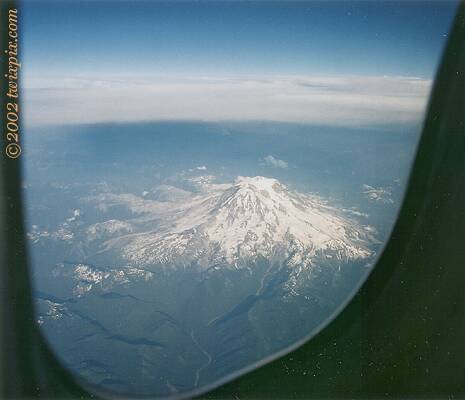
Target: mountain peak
x,y
257,182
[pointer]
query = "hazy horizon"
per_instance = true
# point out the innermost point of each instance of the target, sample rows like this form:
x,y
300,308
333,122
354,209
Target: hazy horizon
x,y
337,63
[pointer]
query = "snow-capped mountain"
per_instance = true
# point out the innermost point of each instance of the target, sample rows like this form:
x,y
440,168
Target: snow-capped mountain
x,y
236,223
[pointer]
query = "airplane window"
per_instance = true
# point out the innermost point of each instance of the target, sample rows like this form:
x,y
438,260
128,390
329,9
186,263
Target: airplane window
x,y
208,183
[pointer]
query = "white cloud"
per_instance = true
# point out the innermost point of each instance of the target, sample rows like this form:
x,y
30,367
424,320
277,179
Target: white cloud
x,y
326,100
274,162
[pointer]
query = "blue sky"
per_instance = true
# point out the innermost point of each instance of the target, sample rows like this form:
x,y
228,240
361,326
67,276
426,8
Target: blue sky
x,y
133,40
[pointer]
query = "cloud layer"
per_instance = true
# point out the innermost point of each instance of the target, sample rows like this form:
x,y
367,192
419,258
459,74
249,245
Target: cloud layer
x,y
325,100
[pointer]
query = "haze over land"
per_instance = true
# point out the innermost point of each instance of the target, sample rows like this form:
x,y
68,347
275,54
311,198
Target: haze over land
x,y
193,262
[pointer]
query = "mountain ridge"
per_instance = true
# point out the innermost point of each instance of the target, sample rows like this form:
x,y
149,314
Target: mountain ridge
x,y
238,223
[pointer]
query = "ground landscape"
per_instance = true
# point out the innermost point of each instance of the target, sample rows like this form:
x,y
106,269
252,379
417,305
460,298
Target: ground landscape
x,y
162,277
